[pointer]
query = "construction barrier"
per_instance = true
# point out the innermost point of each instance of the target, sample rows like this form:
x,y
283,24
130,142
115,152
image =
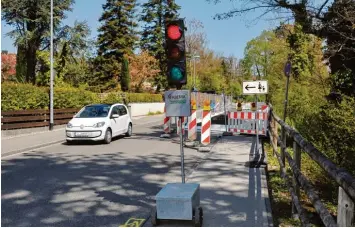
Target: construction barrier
x,y
247,122
166,122
206,128
184,120
192,126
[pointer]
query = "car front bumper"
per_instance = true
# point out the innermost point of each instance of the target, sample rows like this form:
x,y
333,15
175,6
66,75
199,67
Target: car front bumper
x,y
91,135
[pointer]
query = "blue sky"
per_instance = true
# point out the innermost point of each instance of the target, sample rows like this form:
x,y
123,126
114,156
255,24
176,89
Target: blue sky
x,y
228,37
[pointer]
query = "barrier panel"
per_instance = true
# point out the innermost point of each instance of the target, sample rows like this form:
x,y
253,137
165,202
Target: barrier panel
x,y
246,122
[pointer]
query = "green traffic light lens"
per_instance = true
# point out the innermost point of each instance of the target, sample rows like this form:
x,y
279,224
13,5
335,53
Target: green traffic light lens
x,y
176,74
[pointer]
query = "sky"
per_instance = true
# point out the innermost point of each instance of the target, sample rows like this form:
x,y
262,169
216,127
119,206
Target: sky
x,y
227,37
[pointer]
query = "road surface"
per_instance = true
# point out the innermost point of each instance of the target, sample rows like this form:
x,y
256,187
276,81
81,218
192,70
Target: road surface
x,y
90,184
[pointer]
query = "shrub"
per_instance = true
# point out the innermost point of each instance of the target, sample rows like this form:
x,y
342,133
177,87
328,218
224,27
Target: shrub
x,y
112,98
69,97
144,97
23,96
17,96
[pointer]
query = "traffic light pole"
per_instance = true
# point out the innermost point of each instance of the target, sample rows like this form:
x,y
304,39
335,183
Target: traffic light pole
x,y
257,127
182,150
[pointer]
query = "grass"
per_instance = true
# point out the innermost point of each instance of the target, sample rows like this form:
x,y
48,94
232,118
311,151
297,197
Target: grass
x,y
154,113
281,198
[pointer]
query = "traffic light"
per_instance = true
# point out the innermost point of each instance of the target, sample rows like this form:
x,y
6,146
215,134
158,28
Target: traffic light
x,y
239,106
175,52
253,106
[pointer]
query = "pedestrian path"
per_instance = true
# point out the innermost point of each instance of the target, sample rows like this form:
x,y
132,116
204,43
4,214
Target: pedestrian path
x,y
232,194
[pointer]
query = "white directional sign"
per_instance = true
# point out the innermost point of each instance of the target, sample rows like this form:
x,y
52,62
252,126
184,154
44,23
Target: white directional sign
x,y
255,87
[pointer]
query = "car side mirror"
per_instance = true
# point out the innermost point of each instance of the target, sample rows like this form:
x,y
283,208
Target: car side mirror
x,y
114,116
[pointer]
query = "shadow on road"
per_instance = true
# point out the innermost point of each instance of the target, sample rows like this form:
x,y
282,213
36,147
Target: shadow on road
x,y
106,189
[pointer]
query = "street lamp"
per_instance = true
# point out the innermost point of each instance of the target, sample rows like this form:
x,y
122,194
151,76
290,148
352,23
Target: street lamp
x,y
51,121
194,57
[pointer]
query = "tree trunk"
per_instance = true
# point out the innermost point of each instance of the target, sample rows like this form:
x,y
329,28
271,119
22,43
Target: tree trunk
x,y
21,65
31,60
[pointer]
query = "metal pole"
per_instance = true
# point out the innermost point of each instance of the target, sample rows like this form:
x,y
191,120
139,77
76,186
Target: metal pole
x,y
257,126
194,72
51,122
182,152
225,111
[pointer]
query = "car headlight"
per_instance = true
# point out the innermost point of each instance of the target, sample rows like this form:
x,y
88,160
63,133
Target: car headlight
x,y
69,125
99,124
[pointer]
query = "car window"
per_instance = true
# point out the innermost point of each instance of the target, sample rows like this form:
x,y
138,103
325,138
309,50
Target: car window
x,y
115,110
122,110
93,111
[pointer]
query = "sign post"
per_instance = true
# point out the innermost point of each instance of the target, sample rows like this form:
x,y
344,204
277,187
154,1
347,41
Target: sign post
x,y
178,104
256,88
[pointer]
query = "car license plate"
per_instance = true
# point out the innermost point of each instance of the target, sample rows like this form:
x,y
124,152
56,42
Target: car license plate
x,y
81,134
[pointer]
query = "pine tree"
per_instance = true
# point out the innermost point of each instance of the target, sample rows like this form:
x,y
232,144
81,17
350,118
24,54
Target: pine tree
x,y
155,13
125,76
117,37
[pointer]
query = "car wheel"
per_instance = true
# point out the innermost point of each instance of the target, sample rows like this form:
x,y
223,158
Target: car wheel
x,y
108,136
129,130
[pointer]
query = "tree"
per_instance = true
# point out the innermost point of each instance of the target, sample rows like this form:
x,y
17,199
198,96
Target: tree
x,y
8,66
31,22
72,45
195,37
330,20
339,24
155,13
143,68
125,77
117,37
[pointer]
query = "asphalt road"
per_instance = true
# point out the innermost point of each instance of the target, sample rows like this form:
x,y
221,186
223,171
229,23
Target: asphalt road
x,y
90,184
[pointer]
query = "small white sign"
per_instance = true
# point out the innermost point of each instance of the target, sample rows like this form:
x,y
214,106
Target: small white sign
x,y
255,87
177,103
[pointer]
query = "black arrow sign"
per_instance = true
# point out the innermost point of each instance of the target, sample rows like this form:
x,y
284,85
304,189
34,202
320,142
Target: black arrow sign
x,y
249,87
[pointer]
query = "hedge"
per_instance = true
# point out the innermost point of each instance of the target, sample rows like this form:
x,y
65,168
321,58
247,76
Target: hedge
x,y
16,96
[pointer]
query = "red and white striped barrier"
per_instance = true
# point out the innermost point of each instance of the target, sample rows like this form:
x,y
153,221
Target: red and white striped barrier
x,y
246,122
183,125
206,128
166,123
192,126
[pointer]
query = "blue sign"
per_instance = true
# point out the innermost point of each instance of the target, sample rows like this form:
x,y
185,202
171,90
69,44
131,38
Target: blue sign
x,y
287,69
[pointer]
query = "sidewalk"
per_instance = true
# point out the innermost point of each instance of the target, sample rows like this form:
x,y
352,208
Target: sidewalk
x,y
20,143
232,194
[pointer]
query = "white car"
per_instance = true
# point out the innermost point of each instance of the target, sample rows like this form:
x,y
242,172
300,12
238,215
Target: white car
x,y
99,122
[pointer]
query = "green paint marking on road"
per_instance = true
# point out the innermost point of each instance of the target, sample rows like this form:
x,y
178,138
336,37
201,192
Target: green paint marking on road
x,y
133,222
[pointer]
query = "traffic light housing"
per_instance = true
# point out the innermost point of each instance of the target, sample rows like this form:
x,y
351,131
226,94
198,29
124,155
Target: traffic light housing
x,y
253,106
239,106
175,52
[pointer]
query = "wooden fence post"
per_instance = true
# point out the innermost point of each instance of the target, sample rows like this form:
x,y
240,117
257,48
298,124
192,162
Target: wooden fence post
x,y
345,217
274,130
297,159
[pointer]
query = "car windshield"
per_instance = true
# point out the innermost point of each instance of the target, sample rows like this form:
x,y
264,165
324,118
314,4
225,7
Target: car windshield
x,y
94,111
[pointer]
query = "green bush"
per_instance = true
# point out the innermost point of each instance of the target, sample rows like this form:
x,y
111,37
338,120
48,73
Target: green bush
x,y
112,98
68,97
23,96
17,96
143,97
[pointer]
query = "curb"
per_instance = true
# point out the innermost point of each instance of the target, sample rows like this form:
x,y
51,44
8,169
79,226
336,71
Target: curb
x,y
6,154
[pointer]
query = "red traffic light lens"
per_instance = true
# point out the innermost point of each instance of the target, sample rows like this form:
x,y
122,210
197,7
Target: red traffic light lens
x,y
174,32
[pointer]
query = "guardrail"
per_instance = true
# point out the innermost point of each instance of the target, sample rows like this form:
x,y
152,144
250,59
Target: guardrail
x,y
34,118
346,182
